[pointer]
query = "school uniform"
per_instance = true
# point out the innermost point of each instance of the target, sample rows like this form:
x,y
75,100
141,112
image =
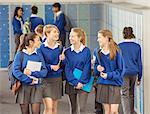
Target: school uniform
x,y
17,28
81,60
53,81
131,52
28,93
35,21
60,22
108,90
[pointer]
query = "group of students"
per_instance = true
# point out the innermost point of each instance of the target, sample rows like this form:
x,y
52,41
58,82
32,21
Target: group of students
x,y
115,66
29,25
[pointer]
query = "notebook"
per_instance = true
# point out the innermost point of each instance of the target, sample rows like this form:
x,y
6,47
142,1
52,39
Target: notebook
x,y
34,66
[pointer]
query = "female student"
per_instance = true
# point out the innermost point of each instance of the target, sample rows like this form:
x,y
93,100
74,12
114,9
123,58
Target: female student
x,y
17,25
131,52
77,56
51,51
109,69
39,31
30,91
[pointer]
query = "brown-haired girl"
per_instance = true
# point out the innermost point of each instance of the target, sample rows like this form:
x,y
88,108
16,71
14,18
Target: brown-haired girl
x,y
131,52
30,91
109,68
77,56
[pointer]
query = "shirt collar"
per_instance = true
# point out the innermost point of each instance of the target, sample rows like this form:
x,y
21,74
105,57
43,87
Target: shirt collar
x,y
80,49
104,52
20,19
55,46
129,40
33,15
58,13
25,51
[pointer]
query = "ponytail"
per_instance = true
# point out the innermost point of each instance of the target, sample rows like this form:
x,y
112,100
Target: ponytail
x,y
22,42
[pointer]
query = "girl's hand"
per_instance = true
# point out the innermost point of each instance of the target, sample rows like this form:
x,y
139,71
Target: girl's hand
x,y
79,86
138,82
27,71
35,81
55,67
103,75
100,68
62,57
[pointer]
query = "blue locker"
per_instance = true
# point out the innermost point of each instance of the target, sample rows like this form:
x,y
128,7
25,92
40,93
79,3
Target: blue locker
x,y
27,11
4,28
4,12
49,16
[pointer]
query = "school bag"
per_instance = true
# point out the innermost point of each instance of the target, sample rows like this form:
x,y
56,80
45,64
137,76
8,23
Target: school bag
x,y
68,24
27,26
14,83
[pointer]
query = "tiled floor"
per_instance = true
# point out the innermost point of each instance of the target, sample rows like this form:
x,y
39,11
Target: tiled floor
x,y
7,105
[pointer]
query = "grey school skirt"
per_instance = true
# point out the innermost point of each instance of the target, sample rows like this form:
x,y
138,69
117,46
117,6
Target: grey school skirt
x,y
28,94
69,89
52,88
108,94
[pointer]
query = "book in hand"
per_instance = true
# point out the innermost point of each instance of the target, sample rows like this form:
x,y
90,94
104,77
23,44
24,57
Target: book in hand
x,y
34,66
88,86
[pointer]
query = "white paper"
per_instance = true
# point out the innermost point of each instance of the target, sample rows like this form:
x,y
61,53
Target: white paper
x,y
34,66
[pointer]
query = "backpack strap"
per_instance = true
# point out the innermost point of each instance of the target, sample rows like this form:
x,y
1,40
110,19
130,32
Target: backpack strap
x,y
98,55
21,59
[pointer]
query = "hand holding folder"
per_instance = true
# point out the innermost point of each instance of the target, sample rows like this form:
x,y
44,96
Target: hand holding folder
x,y
88,86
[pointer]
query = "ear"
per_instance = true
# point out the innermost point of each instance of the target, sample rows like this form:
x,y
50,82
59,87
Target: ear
x,y
30,42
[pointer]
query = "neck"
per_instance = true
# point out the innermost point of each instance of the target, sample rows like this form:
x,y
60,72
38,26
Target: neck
x,y
19,16
51,43
77,46
30,49
106,48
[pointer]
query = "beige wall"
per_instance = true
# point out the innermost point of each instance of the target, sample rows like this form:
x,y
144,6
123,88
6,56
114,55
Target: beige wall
x,y
51,1
146,67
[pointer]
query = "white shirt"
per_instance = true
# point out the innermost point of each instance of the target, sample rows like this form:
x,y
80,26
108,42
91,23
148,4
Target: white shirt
x,y
55,46
20,19
80,49
57,14
25,51
105,52
129,40
34,15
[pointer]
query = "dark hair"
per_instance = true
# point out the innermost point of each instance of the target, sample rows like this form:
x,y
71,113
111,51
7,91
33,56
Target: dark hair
x,y
57,5
27,38
128,33
34,9
16,11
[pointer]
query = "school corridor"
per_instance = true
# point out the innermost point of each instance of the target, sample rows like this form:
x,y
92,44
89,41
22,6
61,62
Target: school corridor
x,y
91,16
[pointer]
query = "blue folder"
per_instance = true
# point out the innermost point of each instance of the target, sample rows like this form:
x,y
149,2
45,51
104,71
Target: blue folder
x,y
88,86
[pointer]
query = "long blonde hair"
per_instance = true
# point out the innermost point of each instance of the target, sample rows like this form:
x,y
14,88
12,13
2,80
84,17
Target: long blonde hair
x,y
113,47
80,33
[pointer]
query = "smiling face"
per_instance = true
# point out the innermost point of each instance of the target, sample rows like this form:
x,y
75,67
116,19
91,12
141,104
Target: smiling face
x,y
102,40
54,34
51,32
74,38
